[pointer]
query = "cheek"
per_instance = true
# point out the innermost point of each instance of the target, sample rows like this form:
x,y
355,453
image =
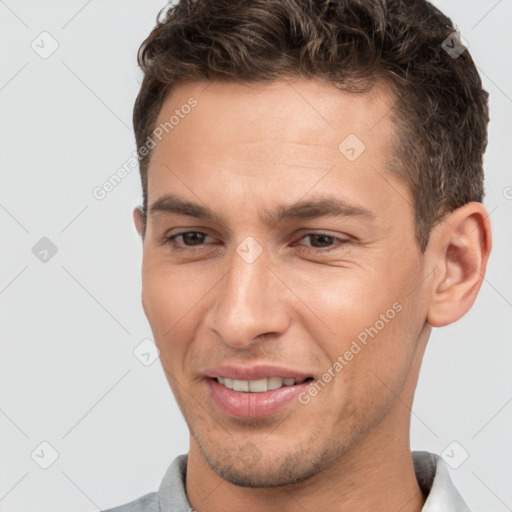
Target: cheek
x,y
369,320
168,299
176,301
158,297
380,371
342,305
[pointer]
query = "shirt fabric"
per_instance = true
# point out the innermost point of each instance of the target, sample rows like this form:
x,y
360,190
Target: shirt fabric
x,y
431,473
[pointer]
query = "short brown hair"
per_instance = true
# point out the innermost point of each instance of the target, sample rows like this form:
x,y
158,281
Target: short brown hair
x,y
440,108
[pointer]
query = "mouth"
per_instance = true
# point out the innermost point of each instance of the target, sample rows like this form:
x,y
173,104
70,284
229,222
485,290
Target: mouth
x,y
250,399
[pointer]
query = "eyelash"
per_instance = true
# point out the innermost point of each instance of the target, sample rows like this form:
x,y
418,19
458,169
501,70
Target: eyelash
x,y
171,241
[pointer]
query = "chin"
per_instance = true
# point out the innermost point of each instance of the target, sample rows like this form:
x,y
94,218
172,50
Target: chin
x,y
262,475
249,467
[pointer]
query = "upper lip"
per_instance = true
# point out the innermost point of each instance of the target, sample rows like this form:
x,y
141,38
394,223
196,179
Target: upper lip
x,y
254,372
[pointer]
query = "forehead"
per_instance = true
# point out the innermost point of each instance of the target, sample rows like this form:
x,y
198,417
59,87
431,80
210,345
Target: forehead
x,y
271,139
310,109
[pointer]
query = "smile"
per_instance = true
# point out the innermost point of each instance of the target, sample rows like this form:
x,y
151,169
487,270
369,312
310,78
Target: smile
x,y
255,398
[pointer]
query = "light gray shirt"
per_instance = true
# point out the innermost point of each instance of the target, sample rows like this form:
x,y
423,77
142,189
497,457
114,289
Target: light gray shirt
x,y
431,472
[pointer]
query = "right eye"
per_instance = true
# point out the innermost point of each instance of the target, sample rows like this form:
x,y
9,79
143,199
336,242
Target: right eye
x,y
189,239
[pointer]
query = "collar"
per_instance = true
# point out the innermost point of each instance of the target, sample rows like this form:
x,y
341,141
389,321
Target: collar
x,y
435,482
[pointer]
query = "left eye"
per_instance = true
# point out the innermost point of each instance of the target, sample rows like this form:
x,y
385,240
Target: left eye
x,y
326,242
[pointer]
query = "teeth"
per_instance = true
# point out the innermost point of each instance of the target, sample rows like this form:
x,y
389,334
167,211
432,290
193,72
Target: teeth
x,y
274,382
257,386
240,385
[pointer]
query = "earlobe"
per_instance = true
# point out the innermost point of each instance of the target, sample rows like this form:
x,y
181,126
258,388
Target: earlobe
x,y
461,248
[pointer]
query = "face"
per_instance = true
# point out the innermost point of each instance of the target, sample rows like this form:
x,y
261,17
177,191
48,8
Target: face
x,y
297,261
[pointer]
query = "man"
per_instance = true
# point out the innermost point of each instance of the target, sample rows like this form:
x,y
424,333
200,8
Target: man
x,y
312,186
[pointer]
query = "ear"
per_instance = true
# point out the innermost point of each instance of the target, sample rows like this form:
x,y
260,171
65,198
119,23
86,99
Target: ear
x,y
138,221
461,245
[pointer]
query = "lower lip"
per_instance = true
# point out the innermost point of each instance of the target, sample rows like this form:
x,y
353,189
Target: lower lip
x,y
253,405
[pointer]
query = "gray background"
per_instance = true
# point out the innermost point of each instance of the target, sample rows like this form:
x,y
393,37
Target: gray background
x,y
69,327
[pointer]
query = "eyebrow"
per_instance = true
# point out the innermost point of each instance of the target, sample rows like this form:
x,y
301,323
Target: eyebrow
x,y
325,206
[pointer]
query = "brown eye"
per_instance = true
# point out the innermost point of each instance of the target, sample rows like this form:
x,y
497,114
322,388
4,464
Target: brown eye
x,y
192,237
319,240
322,242
188,239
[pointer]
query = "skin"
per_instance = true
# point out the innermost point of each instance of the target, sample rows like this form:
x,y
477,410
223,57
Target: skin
x,y
244,150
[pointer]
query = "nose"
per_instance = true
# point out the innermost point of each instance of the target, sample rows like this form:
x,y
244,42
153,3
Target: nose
x,y
250,303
